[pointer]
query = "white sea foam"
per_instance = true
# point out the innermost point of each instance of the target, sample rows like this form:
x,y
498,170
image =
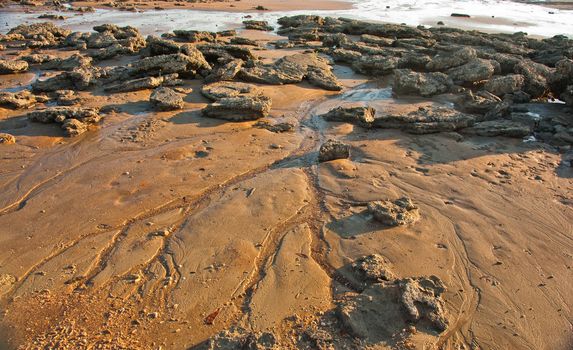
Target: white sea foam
x,y
508,16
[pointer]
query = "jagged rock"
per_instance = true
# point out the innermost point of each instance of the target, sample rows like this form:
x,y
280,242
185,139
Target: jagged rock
x,y
425,120
376,40
363,116
7,139
276,128
507,62
413,61
73,127
110,52
38,58
474,71
223,89
68,64
222,53
407,82
507,84
74,120
451,59
481,102
293,69
501,127
11,67
182,64
345,56
243,41
60,114
226,72
258,25
67,97
80,78
194,36
239,108
536,75
40,34
17,100
394,213
383,310
375,65
166,99
159,46
333,149
372,269
144,83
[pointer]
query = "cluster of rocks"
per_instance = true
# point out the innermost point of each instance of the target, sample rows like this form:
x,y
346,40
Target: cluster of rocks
x,y
387,305
240,338
235,101
74,120
489,73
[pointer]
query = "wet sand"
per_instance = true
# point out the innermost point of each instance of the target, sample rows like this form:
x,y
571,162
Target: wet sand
x,y
161,229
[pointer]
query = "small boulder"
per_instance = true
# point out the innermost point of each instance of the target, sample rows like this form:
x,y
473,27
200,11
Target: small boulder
x,y
165,99
474,71
408,82
11,67
239,108
258,25
394,213
7,139
507,84
333,149
373,269
363,116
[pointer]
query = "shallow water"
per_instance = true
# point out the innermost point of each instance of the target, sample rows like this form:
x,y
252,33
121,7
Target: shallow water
x,y
509,17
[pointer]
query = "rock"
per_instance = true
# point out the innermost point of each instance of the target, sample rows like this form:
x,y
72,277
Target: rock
x,y
226,72
394,213
276,128
481,102
376,40
40,34
363,116
501,127
258,25
182,64
17,100
293,69
407,82
80,78
332,149
144,83
426,120
7,139
67,97
507,84
194,36
536,76
73,127
219,90
375,65
243,41
166,99
239,108
450,59
383,310
372,269
460,15
38,58
474,71
74,120
11,67
159,46
68,64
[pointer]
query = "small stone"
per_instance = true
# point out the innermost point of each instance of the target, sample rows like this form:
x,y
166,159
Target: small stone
x,y
333,149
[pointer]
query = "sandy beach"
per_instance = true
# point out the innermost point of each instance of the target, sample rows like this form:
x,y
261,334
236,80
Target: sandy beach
x,y
311,175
